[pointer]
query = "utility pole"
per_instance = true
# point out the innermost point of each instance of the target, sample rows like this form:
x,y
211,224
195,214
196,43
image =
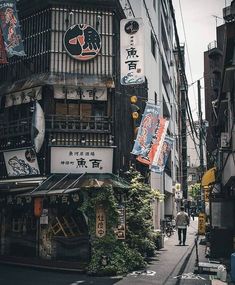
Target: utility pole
x,y
200,128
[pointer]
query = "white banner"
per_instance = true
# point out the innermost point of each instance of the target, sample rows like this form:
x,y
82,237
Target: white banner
x,y
22,162
132,51
80,93
81,160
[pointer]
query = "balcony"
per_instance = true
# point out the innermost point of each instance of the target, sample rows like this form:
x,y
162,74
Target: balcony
x,y
214,50
60,130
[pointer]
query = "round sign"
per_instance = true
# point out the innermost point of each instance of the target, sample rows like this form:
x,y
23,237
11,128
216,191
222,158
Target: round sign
x,y
82,42
131,27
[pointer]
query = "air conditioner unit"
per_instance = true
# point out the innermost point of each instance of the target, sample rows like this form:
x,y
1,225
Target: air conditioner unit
x,y
224,140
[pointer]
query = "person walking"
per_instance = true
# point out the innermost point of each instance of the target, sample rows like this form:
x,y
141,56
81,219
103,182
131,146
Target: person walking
x,y
182,221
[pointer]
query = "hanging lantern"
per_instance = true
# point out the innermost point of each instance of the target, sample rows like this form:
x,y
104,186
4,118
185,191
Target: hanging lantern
x,y
38,207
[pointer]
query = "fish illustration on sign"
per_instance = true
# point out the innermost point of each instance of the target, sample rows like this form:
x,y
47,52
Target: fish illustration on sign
x,y
82,42
38,127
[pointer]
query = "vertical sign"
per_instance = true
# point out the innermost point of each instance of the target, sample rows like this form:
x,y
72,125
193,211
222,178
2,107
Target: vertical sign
x,y
132,51
201,224
10,28
100,221
121,228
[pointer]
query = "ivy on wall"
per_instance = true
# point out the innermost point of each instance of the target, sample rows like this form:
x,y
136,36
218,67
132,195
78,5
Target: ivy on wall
x,y
110,256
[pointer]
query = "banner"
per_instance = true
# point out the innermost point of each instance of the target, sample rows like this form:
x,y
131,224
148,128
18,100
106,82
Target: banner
x,y
159,137
146,130
3,56
10,28
132,51
159,165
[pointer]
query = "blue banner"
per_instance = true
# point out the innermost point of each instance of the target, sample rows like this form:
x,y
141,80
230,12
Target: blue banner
x,y
10,28
163,155
146,130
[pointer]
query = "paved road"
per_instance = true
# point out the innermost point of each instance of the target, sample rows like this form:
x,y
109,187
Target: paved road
x,y
173,265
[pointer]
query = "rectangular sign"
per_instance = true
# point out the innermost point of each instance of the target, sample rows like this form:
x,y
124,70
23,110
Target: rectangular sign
x,y
81,160
22,162
11,28
81,93
121,228
100,221
132,51
24,96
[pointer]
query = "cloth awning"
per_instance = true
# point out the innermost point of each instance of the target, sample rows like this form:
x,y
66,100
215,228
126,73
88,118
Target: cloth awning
x,y
209,177
57,184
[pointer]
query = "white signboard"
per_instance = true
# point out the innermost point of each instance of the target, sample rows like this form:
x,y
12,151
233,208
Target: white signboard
x,y
81,160
24,96
22,162
81,93
132,51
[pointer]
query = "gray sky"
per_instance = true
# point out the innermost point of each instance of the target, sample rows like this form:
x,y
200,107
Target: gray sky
x,y
200,29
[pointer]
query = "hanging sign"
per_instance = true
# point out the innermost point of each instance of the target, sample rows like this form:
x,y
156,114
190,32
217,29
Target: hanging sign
x,y
82,42
38,127
132,51
100,221
38,205
10,28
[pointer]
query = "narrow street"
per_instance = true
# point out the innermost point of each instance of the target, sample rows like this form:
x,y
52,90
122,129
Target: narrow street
x,y
173,264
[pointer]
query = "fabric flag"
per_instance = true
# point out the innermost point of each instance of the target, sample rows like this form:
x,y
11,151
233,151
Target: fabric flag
x,y
159,137
3,56
163,155
10,28
146,130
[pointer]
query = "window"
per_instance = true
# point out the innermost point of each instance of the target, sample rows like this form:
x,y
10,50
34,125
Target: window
x,y
153,45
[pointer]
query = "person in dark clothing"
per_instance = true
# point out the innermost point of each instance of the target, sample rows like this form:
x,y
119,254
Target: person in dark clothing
x,y
182,221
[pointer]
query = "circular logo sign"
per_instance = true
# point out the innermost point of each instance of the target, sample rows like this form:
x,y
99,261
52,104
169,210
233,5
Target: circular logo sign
x,y
131,27
82,42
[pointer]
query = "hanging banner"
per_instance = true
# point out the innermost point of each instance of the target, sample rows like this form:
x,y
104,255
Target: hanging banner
x,y
163,155
3,56
159,137
146,130
38,127
132,51
10,28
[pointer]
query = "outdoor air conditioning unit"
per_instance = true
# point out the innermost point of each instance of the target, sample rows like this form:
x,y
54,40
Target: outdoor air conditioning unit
x,y
224,140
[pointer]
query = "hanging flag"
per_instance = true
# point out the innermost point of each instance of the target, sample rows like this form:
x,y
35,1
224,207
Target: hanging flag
x,y
159,165
10,28
146,130
3,56
159,137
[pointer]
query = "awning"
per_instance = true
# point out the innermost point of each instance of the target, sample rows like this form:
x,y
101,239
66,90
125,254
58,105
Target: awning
x,y
208,177
60,184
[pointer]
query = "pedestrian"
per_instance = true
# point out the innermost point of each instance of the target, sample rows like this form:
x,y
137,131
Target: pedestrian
x,y
182,221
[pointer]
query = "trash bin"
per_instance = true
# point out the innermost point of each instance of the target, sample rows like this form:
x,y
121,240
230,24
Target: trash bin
x,y
233,266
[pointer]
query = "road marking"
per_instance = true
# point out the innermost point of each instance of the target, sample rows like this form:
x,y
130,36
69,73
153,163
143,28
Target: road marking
x,y
189,275
142,273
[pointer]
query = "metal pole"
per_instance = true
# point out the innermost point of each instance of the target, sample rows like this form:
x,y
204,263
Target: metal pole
x,y
200,129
